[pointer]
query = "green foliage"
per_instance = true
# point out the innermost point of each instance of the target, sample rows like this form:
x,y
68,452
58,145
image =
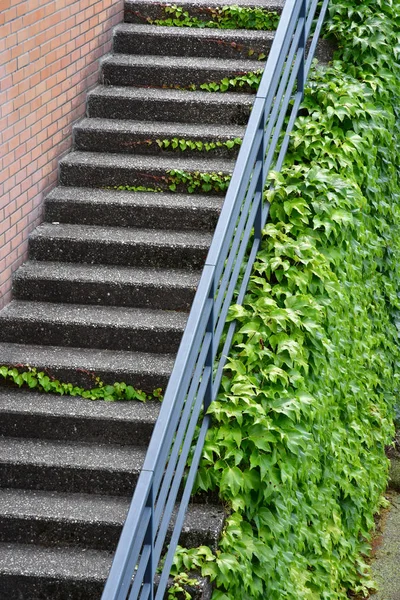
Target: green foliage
x,y
197,182
306,405
226,17
182,145
31,378
137,188
246,82
179,590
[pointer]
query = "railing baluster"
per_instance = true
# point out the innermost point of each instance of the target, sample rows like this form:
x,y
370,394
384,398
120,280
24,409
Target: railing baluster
x,y
302,49
149,540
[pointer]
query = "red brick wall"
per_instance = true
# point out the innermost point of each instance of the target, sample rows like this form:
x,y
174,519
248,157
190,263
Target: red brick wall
x,y
49,59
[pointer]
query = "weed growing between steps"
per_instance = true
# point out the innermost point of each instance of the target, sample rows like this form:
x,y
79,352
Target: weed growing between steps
x,y
31,378
185,181
226,17
182,145
306,407
247,82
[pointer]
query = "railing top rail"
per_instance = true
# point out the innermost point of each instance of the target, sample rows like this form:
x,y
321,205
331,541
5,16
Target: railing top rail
x,y
194,381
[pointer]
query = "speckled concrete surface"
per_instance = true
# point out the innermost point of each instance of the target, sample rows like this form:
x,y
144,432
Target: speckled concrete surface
x,y
386,564
77,365
167,289
88,326
115,102
176,41
52,417
141,137
119,246
118,208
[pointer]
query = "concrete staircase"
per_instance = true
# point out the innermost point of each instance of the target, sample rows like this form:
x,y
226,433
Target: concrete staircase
x,y
106,290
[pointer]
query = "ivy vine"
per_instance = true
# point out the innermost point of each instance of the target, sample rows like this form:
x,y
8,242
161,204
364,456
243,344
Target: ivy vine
x,y
307,402
226,17
31,378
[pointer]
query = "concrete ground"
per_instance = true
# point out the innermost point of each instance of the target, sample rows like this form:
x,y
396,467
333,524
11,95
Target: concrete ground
x,y
386,562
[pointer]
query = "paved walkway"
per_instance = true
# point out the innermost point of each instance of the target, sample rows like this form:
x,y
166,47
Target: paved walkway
x,y
386,564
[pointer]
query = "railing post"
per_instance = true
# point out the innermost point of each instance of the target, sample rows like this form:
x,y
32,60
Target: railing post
x,y
150,572
302,48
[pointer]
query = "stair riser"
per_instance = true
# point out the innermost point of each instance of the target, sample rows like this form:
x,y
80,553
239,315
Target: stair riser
x,y
54,533
128,143
180,45
137,11
166,76
80,335
29,587
98,176
105,294
68,479
116,254
115,215
79,377
187,110
96,536
72,429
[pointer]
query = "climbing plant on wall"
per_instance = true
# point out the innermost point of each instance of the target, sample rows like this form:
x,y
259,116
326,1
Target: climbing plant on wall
x,y
306,405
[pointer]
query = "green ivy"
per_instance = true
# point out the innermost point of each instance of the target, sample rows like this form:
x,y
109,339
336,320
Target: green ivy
x,y
227,17
305,410
182,145
246,82
31,378
137,188
196,181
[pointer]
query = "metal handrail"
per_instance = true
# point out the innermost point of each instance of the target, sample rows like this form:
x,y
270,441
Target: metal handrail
x,y
183,421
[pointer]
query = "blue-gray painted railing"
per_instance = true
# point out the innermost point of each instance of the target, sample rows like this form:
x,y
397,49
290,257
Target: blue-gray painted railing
x,y
198,368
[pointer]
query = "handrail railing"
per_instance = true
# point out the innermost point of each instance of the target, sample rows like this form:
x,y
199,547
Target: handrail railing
x,y
199,364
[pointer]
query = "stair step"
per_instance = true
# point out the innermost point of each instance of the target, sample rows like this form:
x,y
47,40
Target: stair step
x,y
165,71
118,208
92,169
185,41
136,11
114,246
83,326
141,137
36,573
49,416
76,283
80,366
39,573
70,467
151,104
62,519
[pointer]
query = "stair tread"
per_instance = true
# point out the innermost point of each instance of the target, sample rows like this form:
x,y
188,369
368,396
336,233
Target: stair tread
x,y
47,505
178,96
151,237
173,278
85,315
61,454
91,359
154,163
202,33
52,405
126,198
178,62
78,564
160,129
74,507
